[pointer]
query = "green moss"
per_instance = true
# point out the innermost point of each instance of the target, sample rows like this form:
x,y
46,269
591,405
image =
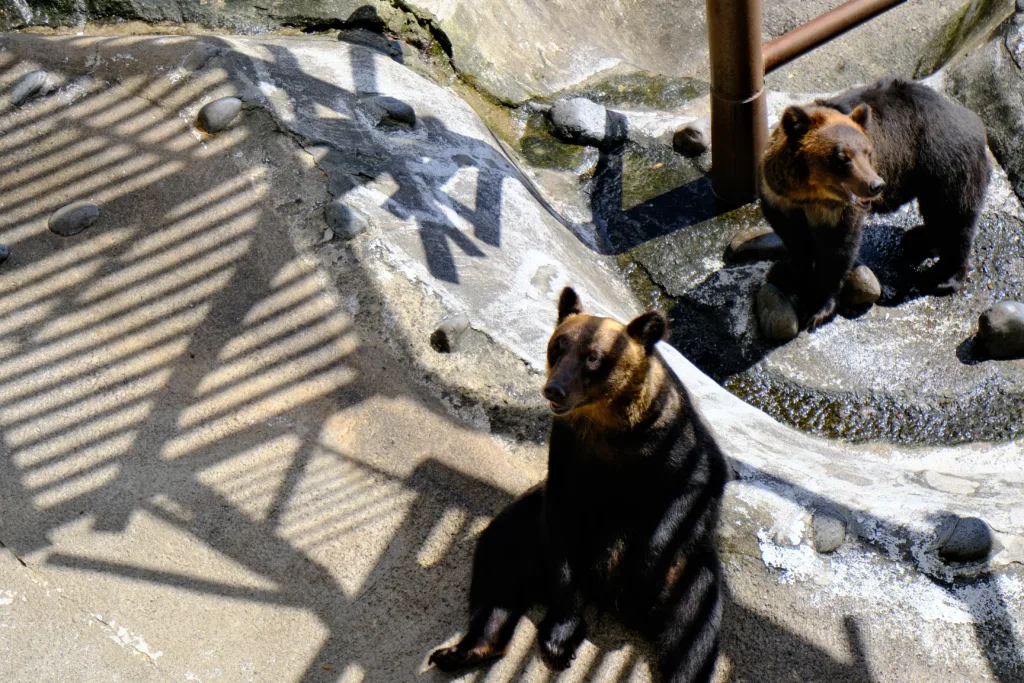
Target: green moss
x,y
650,170
642,89
650,294
971,25
540,148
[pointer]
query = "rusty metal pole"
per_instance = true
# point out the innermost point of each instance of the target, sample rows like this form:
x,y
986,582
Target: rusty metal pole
x,y
829,25
739,118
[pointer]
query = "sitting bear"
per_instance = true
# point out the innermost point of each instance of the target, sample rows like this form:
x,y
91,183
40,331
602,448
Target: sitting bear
x,y
626,517
874,149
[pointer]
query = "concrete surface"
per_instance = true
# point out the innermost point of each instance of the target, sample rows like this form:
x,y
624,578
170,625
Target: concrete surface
x,y
228,443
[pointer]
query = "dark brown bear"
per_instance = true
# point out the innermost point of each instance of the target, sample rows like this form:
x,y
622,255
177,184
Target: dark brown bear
x,y
626,517
872,149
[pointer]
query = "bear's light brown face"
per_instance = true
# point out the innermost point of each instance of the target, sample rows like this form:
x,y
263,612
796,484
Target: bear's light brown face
x,y
838,153
591,359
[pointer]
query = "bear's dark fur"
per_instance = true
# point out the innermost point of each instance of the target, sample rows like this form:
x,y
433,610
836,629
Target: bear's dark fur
x,y
626,517
873,148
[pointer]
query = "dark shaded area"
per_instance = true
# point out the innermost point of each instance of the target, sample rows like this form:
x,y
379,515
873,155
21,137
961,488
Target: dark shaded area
x,y
680,207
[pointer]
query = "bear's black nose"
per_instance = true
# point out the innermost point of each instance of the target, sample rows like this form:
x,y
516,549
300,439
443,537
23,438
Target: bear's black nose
x,y
877,185
554,392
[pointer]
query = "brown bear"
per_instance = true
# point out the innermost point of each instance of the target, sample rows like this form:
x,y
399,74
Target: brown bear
x,y
873,149
626,517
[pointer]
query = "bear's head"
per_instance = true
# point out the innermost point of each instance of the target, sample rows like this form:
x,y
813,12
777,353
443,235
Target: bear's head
x,y
597,365
835,150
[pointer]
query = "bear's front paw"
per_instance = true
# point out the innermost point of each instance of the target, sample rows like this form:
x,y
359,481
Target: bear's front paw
x,y
559,641
821,316
457,657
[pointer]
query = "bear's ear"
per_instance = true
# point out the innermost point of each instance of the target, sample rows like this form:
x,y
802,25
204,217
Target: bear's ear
x,y
648,329
796,122
861,115
568,304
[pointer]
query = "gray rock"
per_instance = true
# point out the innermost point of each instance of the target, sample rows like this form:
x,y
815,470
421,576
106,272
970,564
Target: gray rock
x,y
694,138
776,315
964,539
828,529
344,221
391,111
218,115
755,244
28,85
989,82
1001,330
1019,5
73,218
580,121
964,31
4,252
372,40
448,331
861,288
198,58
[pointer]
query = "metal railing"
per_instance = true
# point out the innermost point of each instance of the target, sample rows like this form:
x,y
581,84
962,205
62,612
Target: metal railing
x,y
739,113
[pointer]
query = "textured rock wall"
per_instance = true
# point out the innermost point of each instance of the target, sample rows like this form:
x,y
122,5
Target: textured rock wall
x,y
516,50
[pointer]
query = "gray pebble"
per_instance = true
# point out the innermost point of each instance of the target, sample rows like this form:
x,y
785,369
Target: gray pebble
x,y
448,332
73,218
581,122
776,315
1001,330
345,222
4,252
218,115
755,244
861,288
694,138
198,58
392,111
828,529
27,86
964,539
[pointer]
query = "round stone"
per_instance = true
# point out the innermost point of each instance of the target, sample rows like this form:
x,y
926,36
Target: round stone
x,y
27,86
1001,330
964,539
345,222
755,244
579,121
73,218
448,331
694,138
218,115
776,315
4,252
828,529
861,288
393,111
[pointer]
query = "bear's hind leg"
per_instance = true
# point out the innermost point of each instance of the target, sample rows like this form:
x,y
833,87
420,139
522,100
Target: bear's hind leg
x,y
505,584
687,644
951,229
917,245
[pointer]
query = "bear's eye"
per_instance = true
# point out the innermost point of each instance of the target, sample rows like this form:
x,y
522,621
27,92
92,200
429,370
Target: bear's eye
x,y
593,361
840,158
556,348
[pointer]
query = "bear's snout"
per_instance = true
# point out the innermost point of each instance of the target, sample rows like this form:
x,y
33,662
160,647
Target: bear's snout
x,y
554,392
